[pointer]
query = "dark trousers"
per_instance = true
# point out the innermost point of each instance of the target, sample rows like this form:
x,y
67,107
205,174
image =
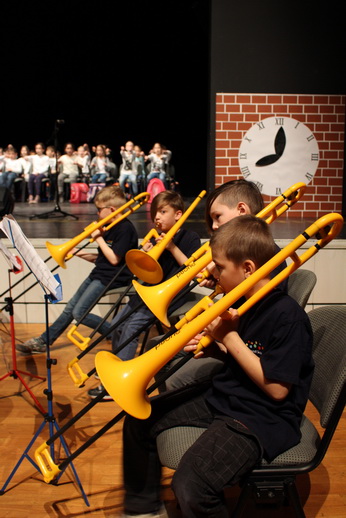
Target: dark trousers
x,y
34,184
220,456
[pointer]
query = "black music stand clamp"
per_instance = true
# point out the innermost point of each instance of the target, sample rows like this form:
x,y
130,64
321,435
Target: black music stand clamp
x,y
14,372
56,212
49,419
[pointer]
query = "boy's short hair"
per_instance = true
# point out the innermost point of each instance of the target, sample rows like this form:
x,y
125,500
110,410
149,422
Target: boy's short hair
x,y
171,198
112,194
245,237
233,192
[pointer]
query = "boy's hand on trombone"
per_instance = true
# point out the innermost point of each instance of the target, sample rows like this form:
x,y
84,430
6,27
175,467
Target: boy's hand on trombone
x,y
222,326
210,281
211,351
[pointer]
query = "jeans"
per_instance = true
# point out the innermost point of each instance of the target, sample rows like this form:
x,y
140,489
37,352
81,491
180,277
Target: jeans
x,y
85,296
7,179
220,457
162,176
132,325
132,178
99,178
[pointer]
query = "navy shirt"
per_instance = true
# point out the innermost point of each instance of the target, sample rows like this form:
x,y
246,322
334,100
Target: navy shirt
x,y
277,330
120,238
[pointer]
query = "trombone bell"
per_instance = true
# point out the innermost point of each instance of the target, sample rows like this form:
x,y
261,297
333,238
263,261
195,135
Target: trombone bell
x,y
58,252
130,384
144,266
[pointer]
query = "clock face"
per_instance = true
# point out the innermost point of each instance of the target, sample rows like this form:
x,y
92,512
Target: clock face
x,y
278,152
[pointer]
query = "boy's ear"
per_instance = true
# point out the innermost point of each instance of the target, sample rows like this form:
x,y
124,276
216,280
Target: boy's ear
x,y
249,267
178,214
243,208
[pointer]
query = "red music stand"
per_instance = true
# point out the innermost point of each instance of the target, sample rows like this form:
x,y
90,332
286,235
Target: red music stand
x,y
15,372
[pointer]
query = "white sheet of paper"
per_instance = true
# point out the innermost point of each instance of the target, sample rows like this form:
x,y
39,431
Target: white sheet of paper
x,y
29,255
11,259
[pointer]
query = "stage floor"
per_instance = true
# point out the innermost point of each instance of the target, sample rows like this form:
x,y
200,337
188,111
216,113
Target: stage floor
x,y
60,226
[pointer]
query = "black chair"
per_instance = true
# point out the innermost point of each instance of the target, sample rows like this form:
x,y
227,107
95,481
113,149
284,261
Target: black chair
x,y
275,482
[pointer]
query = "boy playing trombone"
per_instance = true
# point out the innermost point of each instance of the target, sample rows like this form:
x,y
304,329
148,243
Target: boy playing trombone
x,y
112,247
254,406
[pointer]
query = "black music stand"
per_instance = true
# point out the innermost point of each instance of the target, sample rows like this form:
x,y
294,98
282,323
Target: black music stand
x,y
39,268
56,212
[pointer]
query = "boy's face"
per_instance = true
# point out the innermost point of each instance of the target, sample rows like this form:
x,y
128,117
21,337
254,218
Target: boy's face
x,y
229,274
166,217
221,213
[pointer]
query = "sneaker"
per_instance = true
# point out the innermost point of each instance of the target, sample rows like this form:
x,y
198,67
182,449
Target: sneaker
x,y
162,513
93,393
33,346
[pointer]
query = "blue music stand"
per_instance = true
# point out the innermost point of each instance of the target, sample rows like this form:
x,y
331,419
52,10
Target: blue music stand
x,y
49,418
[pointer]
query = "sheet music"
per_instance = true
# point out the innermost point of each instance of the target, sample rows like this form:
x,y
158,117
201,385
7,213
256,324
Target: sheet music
x,y
29,255
12,260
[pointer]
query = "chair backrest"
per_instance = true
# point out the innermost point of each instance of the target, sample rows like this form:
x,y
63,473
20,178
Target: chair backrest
x,y
300,285
329,352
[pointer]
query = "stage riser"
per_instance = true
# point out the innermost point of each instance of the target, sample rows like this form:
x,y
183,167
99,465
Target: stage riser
x,y
328,265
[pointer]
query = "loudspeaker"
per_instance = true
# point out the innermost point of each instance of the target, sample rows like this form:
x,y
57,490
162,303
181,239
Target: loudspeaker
x,y
6,202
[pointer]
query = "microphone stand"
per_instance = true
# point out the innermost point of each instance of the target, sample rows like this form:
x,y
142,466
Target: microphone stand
x,y
56,212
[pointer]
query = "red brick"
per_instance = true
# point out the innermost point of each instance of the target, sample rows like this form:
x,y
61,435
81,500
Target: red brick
x,y
230,99
321,99
232,108
222,144
305,99
241,99
274,99
221,117
221,162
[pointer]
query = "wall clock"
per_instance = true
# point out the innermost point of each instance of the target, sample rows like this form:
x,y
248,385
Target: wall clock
x,y
278,152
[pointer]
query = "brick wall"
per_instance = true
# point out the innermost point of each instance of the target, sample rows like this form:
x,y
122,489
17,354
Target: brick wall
x,y
323,114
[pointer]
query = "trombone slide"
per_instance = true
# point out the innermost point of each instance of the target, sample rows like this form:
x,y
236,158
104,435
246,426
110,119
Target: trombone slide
x,y
126,381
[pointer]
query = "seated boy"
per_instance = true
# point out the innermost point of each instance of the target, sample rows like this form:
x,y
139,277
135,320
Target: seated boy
x,y
229,200
112,247
166,209
253,408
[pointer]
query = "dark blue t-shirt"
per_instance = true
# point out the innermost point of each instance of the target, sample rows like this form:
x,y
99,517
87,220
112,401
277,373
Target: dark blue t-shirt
x,y
278,331
120,238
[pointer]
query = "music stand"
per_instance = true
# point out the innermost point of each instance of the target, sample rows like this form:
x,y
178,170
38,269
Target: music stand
x,y
56,212
14,372
52,293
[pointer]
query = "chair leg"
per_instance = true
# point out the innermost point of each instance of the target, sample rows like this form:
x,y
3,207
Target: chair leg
x,y
294,499
242,501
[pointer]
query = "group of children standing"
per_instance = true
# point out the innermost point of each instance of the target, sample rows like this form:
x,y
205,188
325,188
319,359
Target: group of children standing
x,y
252,406
93,166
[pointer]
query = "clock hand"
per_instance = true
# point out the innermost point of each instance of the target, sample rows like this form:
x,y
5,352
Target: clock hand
x,y
280,142
279,145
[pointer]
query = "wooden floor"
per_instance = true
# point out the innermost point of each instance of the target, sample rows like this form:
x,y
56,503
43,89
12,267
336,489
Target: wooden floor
x,y
99,467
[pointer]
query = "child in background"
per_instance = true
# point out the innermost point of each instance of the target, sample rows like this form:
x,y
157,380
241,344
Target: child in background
x,y
112,247
68,169
83,161
255,405
13,168
166,209
128,172
139,164
158,159
52,155
101,166
40,170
